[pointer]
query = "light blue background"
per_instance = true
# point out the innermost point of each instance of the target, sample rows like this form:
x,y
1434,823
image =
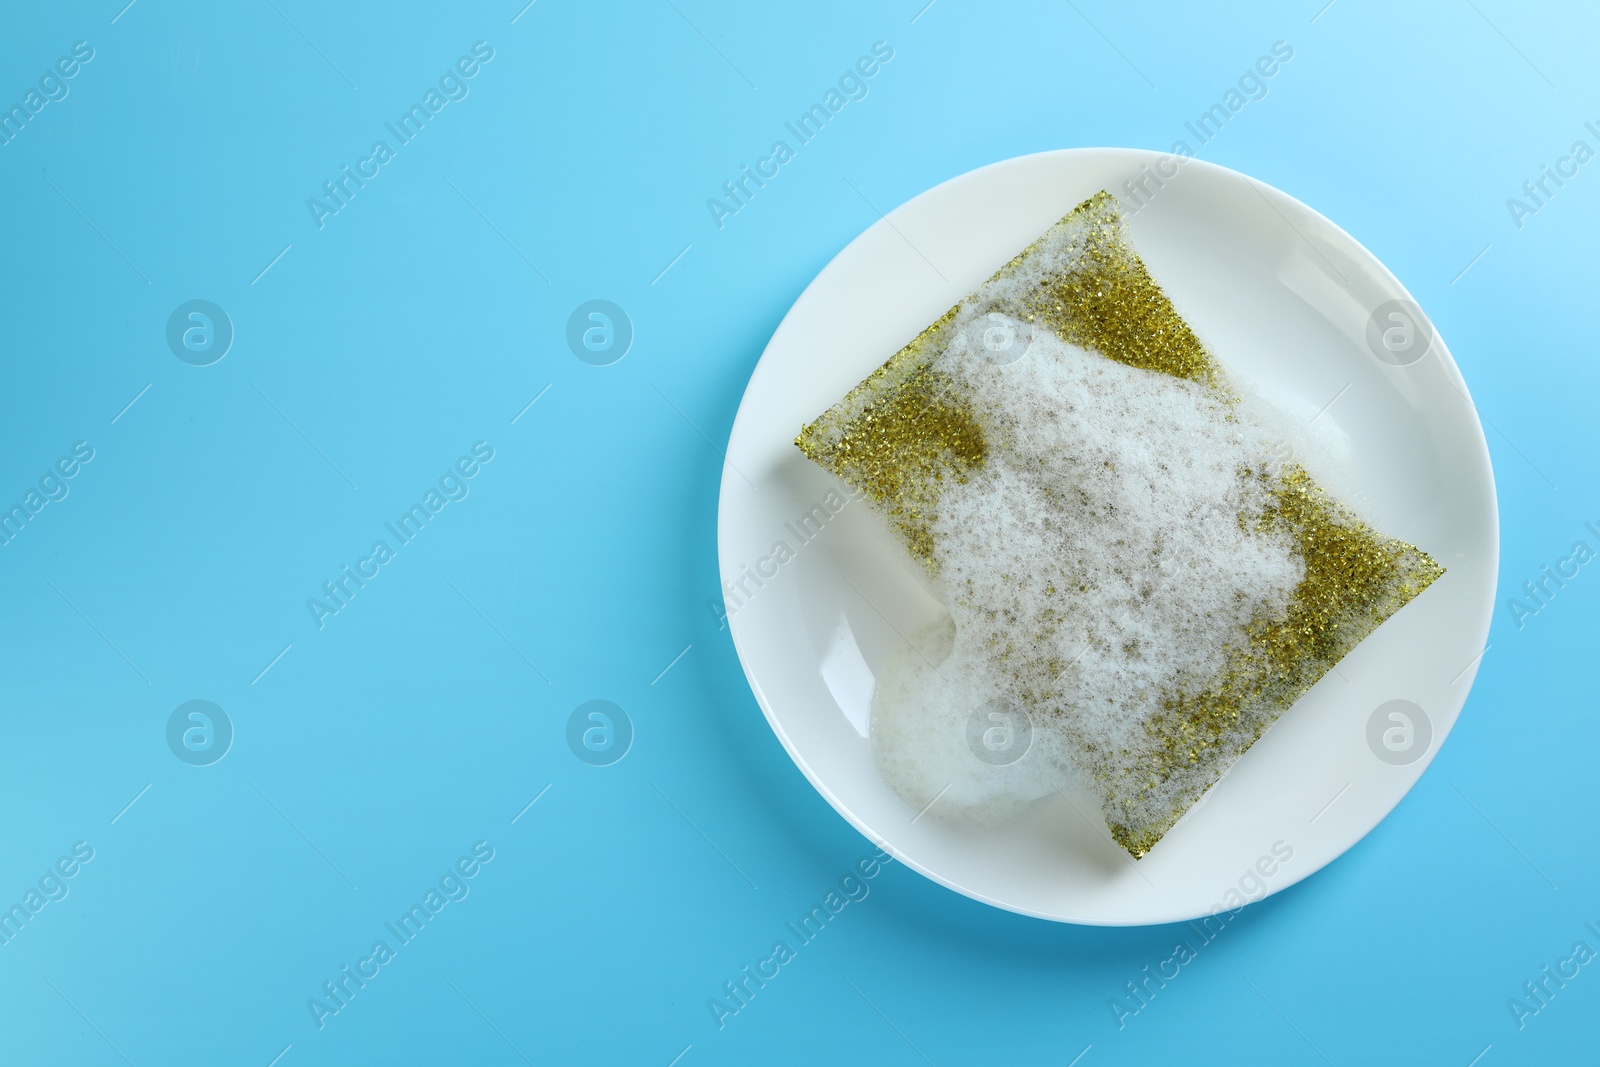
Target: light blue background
x,y
417,322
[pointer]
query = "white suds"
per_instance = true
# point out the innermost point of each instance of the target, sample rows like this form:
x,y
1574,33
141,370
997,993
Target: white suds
x,y
1102,557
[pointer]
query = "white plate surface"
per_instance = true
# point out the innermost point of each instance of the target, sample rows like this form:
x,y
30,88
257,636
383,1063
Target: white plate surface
x,y
1281,296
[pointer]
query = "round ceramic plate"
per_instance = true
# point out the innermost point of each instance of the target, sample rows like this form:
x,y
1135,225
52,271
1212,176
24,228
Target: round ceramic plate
x,y
818,595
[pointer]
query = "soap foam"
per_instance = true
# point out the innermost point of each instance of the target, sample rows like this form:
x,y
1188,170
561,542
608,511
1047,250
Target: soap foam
x,y
1105,555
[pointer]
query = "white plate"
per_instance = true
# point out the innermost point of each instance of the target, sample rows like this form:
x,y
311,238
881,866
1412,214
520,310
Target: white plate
x,y
1278,293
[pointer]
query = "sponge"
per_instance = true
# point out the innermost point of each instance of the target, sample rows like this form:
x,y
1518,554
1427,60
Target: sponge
x,y
1139,581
